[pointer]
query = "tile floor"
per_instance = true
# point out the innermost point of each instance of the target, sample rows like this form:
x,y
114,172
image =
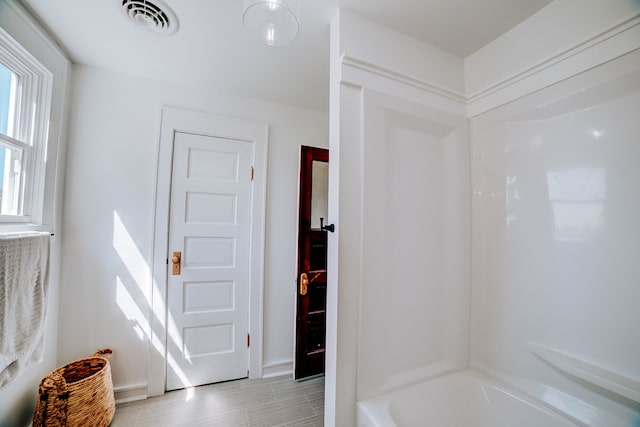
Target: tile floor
x,y
265,402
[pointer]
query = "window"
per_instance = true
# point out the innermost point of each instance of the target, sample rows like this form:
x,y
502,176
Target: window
x,y
11,154
25,94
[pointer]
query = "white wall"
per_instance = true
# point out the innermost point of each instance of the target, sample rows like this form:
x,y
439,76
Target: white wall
x,y
565,37
540,273
555,272
399,56
414,295
556,208
17,400
397,288
113,143
556,28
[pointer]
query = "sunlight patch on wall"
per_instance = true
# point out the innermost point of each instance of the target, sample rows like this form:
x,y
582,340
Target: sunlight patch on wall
x,y
576,197
131,310
512,196
130,255
139,269
568,404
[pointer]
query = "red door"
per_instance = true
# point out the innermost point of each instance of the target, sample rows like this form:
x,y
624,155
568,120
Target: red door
x,y
312,263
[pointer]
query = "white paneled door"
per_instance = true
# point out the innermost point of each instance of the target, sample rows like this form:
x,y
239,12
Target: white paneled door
x,y
209,260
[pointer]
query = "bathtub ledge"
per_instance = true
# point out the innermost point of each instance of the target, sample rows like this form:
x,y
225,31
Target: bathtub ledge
x,y
600,376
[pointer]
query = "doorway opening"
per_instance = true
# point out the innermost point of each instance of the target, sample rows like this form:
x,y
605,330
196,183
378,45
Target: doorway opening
x,y
311,299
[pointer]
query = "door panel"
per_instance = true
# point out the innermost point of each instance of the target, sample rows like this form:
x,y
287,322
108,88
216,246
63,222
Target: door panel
x,y
312,261
210,225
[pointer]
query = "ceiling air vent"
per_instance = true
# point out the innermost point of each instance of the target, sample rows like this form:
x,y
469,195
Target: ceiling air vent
x,y
155,17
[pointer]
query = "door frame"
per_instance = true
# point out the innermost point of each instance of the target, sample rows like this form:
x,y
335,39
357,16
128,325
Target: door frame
x,y
174,120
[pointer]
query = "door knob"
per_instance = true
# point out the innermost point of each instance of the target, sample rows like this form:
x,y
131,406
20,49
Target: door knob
x,y
175,263
329,227
304,283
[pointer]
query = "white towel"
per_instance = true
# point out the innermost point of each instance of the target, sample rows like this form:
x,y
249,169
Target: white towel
x,y
24,277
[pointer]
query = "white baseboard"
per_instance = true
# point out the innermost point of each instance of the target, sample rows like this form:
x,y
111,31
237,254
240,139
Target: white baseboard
x,y
130,393
277,369
139,392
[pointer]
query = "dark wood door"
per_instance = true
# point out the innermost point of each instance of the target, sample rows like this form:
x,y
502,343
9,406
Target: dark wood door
x,y
312,263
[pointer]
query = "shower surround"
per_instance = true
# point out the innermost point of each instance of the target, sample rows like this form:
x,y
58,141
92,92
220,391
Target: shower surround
x,y
486,214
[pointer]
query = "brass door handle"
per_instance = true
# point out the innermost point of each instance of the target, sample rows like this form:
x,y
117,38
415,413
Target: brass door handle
x,y
304,284
175,263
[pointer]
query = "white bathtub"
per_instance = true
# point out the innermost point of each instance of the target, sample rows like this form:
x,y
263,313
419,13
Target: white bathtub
x,y
463,399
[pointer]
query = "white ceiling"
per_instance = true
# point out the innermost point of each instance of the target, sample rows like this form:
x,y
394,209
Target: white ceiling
x,y
212,51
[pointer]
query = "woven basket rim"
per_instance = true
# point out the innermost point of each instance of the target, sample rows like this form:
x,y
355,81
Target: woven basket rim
x,y
61,369
86,401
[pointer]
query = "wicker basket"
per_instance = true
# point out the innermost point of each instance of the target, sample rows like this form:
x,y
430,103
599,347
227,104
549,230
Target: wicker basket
x,y
77,394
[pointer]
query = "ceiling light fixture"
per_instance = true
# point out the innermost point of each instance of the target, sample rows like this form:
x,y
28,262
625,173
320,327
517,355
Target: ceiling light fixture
x,y
274,21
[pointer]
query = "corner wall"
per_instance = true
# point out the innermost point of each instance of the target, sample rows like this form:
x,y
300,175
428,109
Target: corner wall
x,y
555,272
114,137
398,286
562,39
367,87
555,248
18,399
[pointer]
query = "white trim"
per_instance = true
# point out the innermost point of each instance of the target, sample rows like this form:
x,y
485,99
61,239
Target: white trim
x,y
258,244
617,40
130,393
157,333
30,34
356,73
560,56
620,39
277,369
417,83
32,126
37,30
16,21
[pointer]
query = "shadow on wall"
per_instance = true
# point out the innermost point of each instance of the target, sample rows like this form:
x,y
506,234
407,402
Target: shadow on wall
x,y
25,414
132,288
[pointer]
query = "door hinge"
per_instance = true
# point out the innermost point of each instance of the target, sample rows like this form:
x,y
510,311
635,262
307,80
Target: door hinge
x,y
248,340
252,172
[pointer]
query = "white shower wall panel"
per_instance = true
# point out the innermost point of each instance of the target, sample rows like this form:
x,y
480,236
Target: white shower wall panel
x,y
556,238
414,294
